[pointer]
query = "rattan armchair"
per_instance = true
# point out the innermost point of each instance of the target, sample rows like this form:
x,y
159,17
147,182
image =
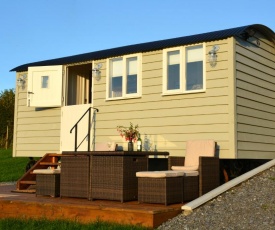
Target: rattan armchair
x,y
200,156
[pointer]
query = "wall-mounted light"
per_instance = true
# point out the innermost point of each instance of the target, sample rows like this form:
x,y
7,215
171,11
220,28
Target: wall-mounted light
x,y
21,80
96,73
212,55
248,34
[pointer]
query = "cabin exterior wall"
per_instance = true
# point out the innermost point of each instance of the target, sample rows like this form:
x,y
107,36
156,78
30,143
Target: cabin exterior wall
x,y
36,130
168,121
255,95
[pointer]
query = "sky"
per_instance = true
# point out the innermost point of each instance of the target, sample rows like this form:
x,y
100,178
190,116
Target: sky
x,y
37,30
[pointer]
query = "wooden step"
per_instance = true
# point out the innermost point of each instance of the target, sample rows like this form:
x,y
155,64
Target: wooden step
x,y
29,178
50,163
28,182
25,191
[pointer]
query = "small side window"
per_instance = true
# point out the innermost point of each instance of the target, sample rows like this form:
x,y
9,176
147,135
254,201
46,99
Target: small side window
x,y
45,82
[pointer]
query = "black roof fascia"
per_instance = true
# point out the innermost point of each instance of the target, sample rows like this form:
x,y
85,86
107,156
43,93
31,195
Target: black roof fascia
x,y
142,47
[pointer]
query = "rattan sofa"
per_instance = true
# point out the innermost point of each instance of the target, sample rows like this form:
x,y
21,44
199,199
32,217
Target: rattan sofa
x,y
200,156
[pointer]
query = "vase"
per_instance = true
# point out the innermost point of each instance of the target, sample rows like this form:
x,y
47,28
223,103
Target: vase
x,y
130,146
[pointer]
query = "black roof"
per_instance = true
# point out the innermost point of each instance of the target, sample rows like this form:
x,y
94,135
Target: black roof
x,y
151,46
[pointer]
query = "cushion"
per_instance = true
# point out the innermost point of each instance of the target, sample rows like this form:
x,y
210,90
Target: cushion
x,y
159,174
191,173
47,171
197,148
185,168
103,146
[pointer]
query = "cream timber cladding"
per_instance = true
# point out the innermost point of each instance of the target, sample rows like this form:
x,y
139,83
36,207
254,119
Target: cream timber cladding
x,y
255,99
36,130
168,121
235,106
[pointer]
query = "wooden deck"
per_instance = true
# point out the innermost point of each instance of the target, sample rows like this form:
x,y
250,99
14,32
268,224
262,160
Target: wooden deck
x,y
31,206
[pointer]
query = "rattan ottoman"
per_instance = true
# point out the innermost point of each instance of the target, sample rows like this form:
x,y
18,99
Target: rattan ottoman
x,y
163,187
47,182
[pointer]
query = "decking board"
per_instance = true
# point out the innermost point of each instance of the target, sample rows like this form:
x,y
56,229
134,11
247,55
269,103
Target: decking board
x,y
27,205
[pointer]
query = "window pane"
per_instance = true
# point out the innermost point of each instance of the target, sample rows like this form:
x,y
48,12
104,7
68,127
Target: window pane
x,y
45,82
194,74
173,70
131,85
194,68
116,87
115,78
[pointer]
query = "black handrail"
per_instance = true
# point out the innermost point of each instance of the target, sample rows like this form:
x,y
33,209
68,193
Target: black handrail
x,y
89,129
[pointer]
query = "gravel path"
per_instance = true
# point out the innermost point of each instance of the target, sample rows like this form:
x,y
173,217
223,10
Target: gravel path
x,y
251,205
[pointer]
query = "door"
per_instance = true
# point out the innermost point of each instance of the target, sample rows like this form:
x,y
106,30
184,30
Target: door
x,y
45,86
70,115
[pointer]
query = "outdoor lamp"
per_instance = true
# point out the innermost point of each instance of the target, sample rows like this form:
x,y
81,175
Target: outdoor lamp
x,y
212,55
21,80
96,73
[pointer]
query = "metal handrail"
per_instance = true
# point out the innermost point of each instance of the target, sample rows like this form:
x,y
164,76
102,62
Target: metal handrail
x,y
89,128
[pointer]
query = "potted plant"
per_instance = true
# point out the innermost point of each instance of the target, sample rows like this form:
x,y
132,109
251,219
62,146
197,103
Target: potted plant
x,y
129,133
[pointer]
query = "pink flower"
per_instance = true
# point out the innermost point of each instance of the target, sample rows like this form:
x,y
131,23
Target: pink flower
x,y
130,133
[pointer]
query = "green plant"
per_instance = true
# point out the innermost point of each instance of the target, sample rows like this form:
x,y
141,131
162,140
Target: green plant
x,y
130,133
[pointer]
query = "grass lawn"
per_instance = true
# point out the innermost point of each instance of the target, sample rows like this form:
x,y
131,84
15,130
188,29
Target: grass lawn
x,y
19,224
12,169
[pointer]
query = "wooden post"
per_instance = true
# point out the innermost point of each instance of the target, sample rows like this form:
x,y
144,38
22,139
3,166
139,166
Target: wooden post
x,y
7,136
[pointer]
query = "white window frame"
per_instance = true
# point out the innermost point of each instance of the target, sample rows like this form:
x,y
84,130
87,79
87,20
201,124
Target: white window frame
x,y
124,77
182,90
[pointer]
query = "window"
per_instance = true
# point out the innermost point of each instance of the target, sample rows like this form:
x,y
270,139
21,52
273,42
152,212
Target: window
x,y
45,82
124,77
183,70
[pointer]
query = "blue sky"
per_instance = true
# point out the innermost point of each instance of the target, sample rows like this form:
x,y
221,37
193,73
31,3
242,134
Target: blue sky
x,y
36,30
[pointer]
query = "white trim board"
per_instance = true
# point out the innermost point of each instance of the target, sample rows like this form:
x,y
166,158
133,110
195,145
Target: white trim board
x,y
221,189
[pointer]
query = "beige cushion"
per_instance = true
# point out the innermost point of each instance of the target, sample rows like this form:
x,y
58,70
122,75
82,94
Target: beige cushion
x,y
159,174
46,171
191,173
197,148
185,168
103,146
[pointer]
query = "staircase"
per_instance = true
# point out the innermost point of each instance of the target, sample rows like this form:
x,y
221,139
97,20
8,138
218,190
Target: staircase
x,y
27,182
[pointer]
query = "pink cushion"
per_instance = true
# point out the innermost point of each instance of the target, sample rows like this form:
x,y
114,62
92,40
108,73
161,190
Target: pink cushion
x,y
197,148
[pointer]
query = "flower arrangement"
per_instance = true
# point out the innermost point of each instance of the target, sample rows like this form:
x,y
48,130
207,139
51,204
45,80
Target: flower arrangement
x,y
130,133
